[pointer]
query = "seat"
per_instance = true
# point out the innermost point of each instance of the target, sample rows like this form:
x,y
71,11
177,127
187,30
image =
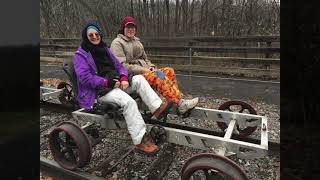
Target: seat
x,y
111,109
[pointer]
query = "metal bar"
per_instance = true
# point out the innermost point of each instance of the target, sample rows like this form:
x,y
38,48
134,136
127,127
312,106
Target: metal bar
x,y
230,129
112,161
52,165
189,138
104,121
220,150
49,93
178,136
190,64
194,38
48,89
161,164
249,120
183,48
215,49
264,132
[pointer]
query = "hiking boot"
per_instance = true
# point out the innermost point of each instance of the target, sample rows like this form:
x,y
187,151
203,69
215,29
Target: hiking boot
x,y
147,146
186,104
163,110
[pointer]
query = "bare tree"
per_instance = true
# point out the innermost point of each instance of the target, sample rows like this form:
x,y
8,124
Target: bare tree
x,y
64,18
45,11
152,15
132,11
168,17
191,16
177,17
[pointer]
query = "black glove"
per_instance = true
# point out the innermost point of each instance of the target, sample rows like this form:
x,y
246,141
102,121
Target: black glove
x,y
112,82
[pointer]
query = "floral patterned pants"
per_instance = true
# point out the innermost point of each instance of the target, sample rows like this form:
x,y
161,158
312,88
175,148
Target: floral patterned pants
x,y
167,87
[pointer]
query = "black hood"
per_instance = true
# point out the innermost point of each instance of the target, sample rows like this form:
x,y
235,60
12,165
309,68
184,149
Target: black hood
x,y
86,44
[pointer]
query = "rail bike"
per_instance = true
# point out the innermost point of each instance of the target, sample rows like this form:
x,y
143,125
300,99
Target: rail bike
x,y
71,145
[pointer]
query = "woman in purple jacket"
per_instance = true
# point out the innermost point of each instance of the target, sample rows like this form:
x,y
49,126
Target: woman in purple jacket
x,y
100,75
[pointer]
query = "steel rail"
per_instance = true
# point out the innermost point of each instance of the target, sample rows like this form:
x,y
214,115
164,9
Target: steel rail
x,y
52,168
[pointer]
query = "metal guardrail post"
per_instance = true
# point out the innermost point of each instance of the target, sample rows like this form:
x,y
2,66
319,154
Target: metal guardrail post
x,y
190,63
268,45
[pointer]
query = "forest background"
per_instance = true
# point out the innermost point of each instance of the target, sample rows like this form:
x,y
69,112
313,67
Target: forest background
x,y
162,18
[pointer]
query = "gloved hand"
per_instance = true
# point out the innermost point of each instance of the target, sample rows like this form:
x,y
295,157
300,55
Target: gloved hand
x,y
112,82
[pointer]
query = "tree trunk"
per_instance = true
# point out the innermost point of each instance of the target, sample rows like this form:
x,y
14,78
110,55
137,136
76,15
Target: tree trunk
x,y
222,18
168,18
152,17
201,19
191,18
185,15
46,10
207,15
146,15
176,24
132,11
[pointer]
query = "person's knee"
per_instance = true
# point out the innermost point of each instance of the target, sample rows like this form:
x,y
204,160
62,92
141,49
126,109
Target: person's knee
x,y
138,79
131,101
171,70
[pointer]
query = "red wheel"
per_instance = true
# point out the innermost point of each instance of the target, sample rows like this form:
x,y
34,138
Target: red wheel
x,y
211,167
70,146
241,107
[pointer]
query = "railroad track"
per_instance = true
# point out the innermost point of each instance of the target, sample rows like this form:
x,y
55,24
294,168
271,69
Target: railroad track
x,y
154,170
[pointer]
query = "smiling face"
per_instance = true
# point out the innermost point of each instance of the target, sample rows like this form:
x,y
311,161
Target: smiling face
x,y
130,31
93,36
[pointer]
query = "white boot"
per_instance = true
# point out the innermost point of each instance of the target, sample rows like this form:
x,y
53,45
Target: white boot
x,y
186,104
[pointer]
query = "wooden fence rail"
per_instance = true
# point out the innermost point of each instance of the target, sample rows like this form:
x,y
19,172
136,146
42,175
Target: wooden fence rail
x,y
266,52
251,56
266,39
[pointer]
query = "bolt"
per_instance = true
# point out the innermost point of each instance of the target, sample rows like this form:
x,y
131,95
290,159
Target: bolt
x,y
264,127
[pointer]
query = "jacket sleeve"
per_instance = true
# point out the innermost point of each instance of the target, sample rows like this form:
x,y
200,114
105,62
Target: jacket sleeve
x,y
145,58
120,68
82,70
119,53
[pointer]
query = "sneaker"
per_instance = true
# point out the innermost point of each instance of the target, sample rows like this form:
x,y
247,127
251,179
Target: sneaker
x,y
163,110
147,146
187,104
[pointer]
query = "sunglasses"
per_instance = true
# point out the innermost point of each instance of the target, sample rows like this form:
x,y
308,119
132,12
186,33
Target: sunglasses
x,y
91,35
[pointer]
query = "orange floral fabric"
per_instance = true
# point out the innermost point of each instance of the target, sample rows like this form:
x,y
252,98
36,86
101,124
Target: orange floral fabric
x,y
168,87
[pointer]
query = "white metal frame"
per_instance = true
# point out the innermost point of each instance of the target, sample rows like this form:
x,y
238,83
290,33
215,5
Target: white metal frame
x,y
221,145
47,93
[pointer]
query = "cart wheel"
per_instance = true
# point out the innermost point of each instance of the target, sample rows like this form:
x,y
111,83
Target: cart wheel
x,y
158,134
67,95
70,146
211,167
244,108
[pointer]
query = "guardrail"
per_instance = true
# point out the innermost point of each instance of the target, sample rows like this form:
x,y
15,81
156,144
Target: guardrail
x,y
239,56
261,52
242,39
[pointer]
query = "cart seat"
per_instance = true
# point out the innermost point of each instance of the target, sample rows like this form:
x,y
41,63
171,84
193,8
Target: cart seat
x,y
99,108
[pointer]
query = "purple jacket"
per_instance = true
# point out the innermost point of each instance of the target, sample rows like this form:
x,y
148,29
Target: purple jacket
x,y
87,77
